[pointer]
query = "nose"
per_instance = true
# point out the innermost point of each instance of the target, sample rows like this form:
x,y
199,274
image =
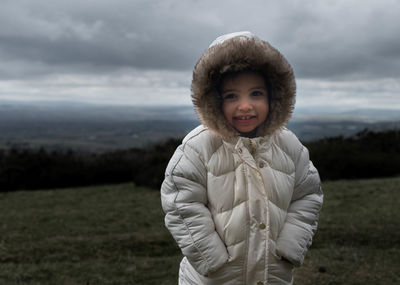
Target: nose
x,y
245,105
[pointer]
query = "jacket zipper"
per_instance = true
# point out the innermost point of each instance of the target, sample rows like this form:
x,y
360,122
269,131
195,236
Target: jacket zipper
x,y
252,152
252,149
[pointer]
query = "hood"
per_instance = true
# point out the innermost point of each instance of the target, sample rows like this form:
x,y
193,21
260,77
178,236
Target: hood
x,y
237,52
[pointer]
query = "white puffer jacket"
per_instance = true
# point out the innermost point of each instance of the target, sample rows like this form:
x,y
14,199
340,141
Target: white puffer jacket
x,y
237,206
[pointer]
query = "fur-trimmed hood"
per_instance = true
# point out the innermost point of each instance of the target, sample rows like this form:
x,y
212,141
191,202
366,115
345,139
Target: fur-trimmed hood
x,y
236,52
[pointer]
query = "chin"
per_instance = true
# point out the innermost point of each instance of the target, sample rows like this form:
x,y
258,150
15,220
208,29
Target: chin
x,y
248,134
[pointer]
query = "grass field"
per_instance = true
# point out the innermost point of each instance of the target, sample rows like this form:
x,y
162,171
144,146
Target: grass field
x,y
115,235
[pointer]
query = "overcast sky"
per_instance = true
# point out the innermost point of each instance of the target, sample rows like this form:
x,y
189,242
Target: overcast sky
x,y
345,54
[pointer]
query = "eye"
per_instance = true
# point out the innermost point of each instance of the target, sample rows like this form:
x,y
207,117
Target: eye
x,y
229,96
257,93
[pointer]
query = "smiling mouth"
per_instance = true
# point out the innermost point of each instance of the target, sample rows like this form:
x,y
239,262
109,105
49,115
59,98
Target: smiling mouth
x,y
243,118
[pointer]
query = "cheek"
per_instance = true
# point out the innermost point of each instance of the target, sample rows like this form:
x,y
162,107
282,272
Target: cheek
x,y
227,111
264,110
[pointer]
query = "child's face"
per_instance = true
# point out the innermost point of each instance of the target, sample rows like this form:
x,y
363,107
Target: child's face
x,y
245,101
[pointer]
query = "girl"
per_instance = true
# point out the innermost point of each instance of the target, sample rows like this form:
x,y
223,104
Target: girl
x,y
240,194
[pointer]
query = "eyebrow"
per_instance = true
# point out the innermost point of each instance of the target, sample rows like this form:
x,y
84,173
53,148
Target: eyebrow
x,y
253,88
258,87
228,90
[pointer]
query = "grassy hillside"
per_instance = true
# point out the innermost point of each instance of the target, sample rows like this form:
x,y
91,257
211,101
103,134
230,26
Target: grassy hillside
x,y
115,235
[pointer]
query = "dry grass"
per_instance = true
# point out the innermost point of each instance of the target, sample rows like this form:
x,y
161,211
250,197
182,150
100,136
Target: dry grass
x,y
115,235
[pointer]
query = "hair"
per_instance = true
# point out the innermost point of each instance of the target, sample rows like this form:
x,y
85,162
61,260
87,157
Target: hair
x,y
231,74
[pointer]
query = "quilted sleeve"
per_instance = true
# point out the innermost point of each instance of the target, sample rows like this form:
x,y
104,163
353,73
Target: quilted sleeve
x,y
302,217
184,199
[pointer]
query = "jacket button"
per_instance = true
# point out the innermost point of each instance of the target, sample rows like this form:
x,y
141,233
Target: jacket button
x,y
261,164
239,150
262,226
260,283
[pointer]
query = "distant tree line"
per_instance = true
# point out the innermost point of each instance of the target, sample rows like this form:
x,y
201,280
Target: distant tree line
x,y
367,154
30,169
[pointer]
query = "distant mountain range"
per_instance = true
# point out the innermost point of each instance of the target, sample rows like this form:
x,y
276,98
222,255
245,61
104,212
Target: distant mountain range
x,y
369,115
90,127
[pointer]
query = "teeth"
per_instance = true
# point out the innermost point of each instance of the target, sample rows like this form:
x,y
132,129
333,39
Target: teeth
x,y
244,117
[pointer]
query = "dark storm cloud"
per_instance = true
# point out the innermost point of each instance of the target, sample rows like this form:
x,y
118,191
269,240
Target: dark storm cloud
x,y
99,34
322,39
342,39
